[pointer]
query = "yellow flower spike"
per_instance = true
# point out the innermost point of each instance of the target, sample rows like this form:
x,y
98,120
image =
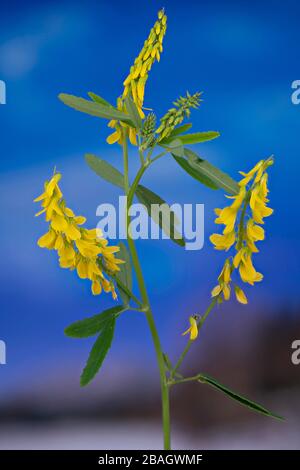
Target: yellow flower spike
x,y
242,229
134,83
240,295
193,329
76,248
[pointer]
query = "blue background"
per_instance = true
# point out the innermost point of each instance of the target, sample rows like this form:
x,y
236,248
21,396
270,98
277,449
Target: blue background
x,y
244,57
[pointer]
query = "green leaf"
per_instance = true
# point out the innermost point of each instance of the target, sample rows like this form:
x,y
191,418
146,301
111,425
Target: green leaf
x,y
198,137
133,113
99,99
105,170
199,176
206,379
177,131
93,325
125,275
206,173
98,352
94,108
175,147
180,130
149,198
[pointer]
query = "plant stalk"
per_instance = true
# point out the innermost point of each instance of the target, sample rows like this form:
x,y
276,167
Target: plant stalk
x,y
145,299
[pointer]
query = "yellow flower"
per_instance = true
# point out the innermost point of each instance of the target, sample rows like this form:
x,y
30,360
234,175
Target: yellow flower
x,y
47,240
216,290
248,176
255,232
77,247
193,329
240,295
244,229
96,288
224,280
223,242
114,137
134,83
228,215
247,271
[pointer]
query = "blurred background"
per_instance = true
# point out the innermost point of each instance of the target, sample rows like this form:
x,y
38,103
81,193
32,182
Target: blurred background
x,y
244,57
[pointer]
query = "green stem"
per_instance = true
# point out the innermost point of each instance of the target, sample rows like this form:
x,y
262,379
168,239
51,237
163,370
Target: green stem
x,y
162,154
125,161
242,219
145,299
140,151
131,192
129,293
185,379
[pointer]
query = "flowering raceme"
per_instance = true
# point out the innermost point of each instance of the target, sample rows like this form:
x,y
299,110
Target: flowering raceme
x,y
176,115
243,229
134,84
78,248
